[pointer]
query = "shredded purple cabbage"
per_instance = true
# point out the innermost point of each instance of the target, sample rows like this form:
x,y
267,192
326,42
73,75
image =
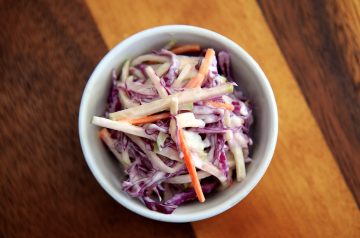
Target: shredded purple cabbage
x,y
190,194
173,71
170,205
113,98
224,63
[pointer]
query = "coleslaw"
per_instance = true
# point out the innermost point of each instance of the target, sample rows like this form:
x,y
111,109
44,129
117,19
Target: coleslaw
x,y
177,126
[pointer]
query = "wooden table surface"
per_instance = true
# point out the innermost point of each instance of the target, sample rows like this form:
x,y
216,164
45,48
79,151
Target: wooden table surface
x,y
310,51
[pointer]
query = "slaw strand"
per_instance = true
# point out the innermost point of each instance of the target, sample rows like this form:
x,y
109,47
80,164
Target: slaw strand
x,y
187,119
185,178
182,76
147,119
208,167
151,58
156,81
185,97
125,100
122,126
204,68
125,71
154,159
170,44
190,48
235,149
106,138
162,69
174,106
169,153
190,166
223,105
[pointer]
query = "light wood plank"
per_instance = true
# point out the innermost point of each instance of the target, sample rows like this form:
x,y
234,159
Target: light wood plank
x,y
303,192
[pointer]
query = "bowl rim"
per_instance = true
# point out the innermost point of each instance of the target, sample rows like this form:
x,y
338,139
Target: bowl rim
x,y
213,211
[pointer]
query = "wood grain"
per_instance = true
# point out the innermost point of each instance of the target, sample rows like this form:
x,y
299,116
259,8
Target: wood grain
x,y
321,43
303,193
47,52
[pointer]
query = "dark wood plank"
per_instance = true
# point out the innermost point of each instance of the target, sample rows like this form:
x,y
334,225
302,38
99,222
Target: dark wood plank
x,y
321,43
48,50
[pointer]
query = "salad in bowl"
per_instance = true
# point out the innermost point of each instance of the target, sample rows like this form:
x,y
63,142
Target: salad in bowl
x,y
178,124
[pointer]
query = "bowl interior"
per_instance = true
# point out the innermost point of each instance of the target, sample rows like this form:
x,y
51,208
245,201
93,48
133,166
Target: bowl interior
x,y
247,75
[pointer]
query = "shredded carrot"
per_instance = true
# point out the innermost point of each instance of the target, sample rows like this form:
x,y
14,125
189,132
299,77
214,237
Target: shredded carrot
x,y
210,53
104,133
226,106
204,68
195,81
147,119
186,49
190,166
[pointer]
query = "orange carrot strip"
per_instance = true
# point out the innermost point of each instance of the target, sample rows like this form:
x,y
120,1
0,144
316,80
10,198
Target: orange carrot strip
x,y
147,119
104,133
190,166
194,81
186,49
204,68
226,106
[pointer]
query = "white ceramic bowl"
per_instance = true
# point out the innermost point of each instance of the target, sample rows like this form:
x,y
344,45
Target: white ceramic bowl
x,y
249,77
